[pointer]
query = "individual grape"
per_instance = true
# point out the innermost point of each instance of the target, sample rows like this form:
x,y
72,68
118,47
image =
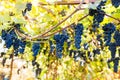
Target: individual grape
x,y
60,39
112,48
29,6
35,48
78,33
117,37
115,3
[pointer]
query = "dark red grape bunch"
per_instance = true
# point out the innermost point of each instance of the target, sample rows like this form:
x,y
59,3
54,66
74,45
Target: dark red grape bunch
x,y
11,38
115,3
51,46
78,32
29,6
117,37
60,39
35,48
116,64
108,30
112,48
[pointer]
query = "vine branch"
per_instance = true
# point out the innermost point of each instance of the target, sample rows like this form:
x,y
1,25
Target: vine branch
x,y
63,3
112,17
40,35
43,35
56,25
65,27
11,67
48,10
30,38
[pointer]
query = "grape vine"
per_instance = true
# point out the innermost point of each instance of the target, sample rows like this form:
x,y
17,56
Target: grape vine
x,y
61,38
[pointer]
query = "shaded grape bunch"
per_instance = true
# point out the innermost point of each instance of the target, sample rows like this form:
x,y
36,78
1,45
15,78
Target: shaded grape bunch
x,y
22,45
38,70
51,46
115,3
11,38
35,48
8,38
101,4
96,51
107,38
92,12
60,39
19,46
64,32
116,64
112,48
29,6
117,37
17,26
78,32
99,38
86,46
99,16
108,30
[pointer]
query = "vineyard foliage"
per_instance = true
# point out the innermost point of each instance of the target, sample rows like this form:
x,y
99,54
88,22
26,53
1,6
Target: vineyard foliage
x,y
63,42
